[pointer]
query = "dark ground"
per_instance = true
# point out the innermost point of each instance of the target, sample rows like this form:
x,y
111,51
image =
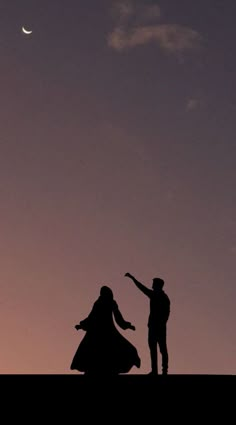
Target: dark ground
x,y
125,398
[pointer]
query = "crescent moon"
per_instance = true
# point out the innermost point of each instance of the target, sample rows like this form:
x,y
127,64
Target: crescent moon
x,y
25,31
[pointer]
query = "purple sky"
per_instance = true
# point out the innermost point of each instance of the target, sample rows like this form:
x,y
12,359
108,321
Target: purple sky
x,y
117,154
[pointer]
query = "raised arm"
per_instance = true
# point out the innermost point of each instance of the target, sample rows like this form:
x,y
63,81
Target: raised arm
x,y
139,285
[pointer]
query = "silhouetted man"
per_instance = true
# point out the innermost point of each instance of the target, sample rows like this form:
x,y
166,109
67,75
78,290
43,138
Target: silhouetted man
x,y
159,314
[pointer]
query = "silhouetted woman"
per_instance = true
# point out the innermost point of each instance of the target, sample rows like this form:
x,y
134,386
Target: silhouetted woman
x,y
103,350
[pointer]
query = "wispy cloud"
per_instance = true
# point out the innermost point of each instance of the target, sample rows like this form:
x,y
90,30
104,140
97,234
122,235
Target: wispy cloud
x,y
174,38
134,28
193,104
139,11
123,9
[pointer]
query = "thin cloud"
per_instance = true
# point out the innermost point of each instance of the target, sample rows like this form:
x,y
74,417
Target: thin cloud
x,y
170,37
137,23
138,11
192,104
123,9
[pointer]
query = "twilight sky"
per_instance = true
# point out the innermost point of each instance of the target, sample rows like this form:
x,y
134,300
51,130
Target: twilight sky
x,y
117,154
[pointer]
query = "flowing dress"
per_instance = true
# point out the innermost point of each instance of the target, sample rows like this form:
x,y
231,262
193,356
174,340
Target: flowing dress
x,y
103,349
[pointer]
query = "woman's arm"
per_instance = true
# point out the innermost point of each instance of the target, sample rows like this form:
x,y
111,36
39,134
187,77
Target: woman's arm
x,y
119,318
84,324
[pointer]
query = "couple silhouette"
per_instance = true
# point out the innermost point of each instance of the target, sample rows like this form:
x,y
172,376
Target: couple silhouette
x,y
105,351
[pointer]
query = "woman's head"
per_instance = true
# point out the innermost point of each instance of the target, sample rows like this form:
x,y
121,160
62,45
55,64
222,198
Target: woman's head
x,y
106,293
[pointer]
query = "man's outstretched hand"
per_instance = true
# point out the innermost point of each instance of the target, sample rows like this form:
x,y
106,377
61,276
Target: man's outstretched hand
x,y
128,275
132,327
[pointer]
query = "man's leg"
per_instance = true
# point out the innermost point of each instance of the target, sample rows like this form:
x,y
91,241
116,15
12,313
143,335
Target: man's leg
x,y
152,343
164,351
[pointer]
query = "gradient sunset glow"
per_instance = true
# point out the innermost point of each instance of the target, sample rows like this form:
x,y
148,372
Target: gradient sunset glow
x,y
117,154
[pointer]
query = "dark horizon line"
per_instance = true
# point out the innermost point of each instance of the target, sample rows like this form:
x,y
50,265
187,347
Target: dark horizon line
x,y
164,377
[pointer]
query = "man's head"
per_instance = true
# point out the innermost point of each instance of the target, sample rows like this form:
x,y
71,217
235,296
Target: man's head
x,y
157,284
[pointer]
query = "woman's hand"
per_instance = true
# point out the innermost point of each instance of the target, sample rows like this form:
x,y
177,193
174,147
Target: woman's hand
x,y
77,327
